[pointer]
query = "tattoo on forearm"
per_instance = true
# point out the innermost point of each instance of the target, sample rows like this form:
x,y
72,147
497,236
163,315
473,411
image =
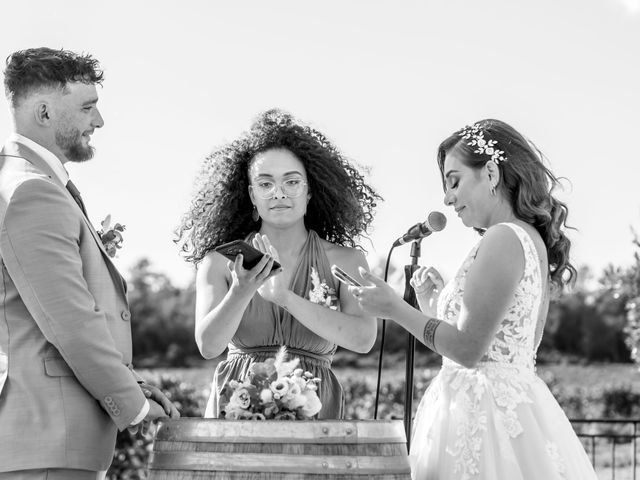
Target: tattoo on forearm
x,y
429,333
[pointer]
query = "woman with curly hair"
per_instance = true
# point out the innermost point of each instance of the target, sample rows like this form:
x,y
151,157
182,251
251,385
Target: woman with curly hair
x,y
487,415
284,187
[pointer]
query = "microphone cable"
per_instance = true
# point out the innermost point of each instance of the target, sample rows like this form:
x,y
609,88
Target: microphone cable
x,y
380,355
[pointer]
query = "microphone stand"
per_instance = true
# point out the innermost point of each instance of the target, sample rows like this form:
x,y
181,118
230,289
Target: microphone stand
x,y
410,298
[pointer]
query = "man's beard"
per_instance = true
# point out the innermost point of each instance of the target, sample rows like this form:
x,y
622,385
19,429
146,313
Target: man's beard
x,y
71,145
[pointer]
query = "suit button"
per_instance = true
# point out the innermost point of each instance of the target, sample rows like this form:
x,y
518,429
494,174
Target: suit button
x,y
108,399
126,316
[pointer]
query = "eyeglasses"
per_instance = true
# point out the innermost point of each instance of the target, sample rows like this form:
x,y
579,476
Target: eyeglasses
x,y
292,188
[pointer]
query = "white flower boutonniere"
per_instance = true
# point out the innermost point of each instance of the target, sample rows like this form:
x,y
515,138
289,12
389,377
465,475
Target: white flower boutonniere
x,y
111,236
321,293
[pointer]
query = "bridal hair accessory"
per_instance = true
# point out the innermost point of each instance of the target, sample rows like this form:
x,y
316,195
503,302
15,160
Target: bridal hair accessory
x,y
475,135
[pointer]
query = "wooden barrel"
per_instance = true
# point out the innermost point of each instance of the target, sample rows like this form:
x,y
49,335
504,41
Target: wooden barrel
x,y
199,448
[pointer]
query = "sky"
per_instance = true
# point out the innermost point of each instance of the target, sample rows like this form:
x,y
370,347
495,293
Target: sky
x,y
386,81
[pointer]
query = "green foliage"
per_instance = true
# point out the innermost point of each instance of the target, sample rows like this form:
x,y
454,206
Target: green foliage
x,y
360,396
585,326
133,449
620,297
620,402
162,319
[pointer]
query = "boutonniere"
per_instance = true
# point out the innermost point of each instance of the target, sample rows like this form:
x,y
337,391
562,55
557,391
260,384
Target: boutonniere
x,y
321,293
111,236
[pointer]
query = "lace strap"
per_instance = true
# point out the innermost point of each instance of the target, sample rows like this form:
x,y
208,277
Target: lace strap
x,y
528,246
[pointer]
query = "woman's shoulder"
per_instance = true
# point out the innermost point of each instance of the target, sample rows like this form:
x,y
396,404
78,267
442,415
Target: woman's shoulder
x,y
213,264
502,240
519,230
340,254
510,241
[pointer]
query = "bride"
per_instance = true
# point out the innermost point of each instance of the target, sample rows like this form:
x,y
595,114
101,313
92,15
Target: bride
x,y
487,415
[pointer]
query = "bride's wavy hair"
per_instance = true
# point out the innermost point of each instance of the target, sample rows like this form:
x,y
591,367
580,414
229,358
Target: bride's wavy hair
x,y
527,184
340,209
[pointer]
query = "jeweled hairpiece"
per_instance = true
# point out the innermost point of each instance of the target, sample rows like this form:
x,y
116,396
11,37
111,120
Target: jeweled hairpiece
x,y
475,135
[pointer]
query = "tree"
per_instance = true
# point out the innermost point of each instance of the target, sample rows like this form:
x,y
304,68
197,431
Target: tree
x,y
162,319
624,285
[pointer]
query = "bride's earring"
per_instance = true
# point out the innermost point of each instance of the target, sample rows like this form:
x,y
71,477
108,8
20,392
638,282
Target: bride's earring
x,y
493,190
255,215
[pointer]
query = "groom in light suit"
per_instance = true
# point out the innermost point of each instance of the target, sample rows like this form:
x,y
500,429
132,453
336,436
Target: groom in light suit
x,y
66,382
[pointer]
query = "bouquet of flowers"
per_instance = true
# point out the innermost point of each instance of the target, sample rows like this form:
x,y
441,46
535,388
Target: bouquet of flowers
x,y
272,390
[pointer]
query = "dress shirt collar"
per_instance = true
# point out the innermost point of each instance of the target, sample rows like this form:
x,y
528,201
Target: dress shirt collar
x,y
51,159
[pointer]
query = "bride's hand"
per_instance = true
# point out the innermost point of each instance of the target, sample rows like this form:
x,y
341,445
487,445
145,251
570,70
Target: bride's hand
x,y
274,288
377,298
427,284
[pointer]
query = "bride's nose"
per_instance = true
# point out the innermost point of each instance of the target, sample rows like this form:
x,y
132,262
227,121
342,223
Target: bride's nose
x,y
449,198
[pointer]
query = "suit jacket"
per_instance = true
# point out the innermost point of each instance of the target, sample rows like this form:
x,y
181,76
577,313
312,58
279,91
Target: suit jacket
x,y
64,327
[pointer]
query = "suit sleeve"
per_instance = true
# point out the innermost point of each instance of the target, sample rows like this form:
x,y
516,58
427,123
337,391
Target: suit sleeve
x,y
40,245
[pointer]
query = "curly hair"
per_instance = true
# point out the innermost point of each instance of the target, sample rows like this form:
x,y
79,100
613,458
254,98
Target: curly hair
x,y
527,184
340,209
35,68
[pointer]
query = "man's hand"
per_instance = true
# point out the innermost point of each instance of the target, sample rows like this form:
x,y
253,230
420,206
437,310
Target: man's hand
x,y
156,411
156,396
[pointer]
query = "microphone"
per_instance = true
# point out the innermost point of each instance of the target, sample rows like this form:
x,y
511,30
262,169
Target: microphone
x,y
435,222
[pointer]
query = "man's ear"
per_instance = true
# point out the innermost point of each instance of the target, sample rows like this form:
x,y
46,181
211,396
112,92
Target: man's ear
x,y
41,111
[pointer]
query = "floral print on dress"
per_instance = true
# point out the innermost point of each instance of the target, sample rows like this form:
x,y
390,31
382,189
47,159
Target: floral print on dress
x,y
556,458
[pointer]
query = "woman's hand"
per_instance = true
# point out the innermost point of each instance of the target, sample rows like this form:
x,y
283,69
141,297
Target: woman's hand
x,y
427,283
154,393
377,298
274,289
247,282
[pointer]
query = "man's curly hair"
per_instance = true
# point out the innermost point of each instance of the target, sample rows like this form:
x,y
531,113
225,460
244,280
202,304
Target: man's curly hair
x,y
341,206
35,68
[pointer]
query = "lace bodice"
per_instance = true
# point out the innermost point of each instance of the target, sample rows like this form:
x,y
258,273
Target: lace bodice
x,y
491,420
514,342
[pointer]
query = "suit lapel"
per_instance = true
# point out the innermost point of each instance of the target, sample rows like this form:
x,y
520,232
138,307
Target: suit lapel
x,y
14,149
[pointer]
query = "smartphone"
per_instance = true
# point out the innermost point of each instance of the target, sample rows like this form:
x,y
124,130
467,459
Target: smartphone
x,y
344,276
250,255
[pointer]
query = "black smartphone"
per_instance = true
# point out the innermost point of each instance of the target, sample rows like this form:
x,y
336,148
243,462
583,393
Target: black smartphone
x,y
250,255
344,276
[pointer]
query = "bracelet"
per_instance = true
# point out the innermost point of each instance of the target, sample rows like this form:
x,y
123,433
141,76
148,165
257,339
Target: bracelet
x,y
429,333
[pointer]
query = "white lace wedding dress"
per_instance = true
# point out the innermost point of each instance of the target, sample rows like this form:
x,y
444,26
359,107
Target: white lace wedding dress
x,y
497,421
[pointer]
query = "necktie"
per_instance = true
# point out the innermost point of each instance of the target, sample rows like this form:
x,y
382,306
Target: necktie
x,y
75,193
